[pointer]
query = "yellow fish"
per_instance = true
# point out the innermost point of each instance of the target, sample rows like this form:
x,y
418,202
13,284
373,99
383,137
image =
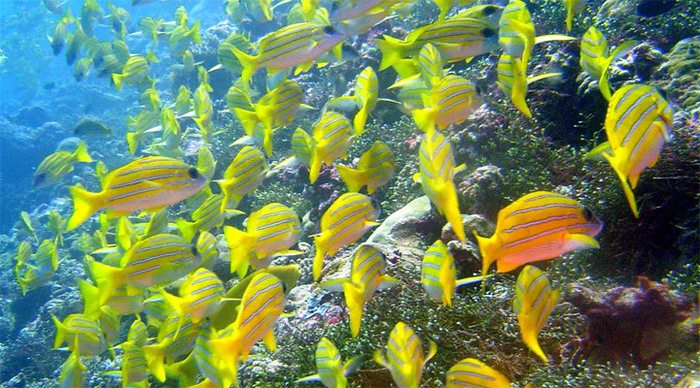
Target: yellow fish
x,y
471,372
332,373
365,97
134,72
450,101
513,81
261,305
149,184
72,372
200,296
36,270
538,226
206,217
436,172
269,231
427,64
175,339
534,301
367,275
82,334
245,173
59,164
439,276
404,356
375,168
204,110
596,57
638,124
332,137
347,219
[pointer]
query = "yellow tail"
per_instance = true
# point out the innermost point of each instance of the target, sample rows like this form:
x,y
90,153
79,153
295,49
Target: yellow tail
x,y
85,204
486,249
187,229
249,63
425,119
314,167
392,51
353,299
132,140
118,80
108,279
318,259
359,121
60,332
81,155
194,33
248,120
155,359
625,185
240,245
352,178
91,301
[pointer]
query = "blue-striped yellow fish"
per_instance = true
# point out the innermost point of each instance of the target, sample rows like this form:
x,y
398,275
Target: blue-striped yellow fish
x,y
350,9
134,72
365,97
534,301
72,372
207,247
435,174
138,333
225,53
275,109
200,296
183,101
450,101
269,231
404,356
332,373
120,301
149,183
82,335
176,338
596,57
638,124
38,268
513,81
139,125
207,216
181,37
204,112
375,168
538,226
153,262
347,219
457,39
262,303
245,173
439,276
134,368
296,45
427,64
367,275
59,164
471,372
332,137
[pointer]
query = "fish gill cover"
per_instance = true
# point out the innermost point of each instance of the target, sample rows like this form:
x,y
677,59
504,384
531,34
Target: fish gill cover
x,y
268,193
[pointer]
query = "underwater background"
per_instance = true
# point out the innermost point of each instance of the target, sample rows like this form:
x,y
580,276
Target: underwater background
x,y
624,298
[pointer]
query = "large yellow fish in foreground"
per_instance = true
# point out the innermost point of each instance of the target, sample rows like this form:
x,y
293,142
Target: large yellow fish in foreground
x,y
149,183
638,124
534,301
538,226
347,219
436,172
332,137
404,356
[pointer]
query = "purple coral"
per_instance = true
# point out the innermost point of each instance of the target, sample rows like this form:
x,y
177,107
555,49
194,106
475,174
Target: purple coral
x,y
636,322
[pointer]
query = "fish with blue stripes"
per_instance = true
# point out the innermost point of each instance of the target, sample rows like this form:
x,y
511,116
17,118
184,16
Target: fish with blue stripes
x,y
59,164
439,276
72,372
513,81
154,262
332,372
245,174
367,275
533,303
176,338
471,372
347,219
638,123
436,171
134,371
332,137
150,184
404,356
200,296
374,169
207,247
35,270
538,226
207,216
450,101
83,335
270,231
365,98
596,57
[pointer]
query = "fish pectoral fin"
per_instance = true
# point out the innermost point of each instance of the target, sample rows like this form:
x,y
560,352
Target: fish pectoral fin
x,y
431,352
461,168
308,379
577,242
597,152
334,285
387,281
552,38
269,341
416,178
470,280
351,365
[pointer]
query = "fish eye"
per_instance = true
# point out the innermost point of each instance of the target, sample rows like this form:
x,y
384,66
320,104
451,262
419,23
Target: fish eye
x,y
284,287
39,179
588,214
490,10
193,173
329,30
488,32
195,252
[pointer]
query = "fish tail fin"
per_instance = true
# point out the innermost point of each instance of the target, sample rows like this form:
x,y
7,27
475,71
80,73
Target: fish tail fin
x,y
392,51
444,6
352,178
177,304
91,300
240,245
23,285
486,249
194,33
318,258
625,185
155,359
359,121
425,119
454,217
248,120
267,141
351,365
108,278
118,80
249,63
85,204
132,140
314,167
528,333
353,299
187,229
81,153
61,330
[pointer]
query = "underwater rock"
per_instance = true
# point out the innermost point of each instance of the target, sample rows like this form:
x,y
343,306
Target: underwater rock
x,y
466,254
639,321
414,225
31,116
478,191
681,74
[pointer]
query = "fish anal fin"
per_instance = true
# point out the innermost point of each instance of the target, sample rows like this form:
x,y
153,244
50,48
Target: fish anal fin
x,y
576,242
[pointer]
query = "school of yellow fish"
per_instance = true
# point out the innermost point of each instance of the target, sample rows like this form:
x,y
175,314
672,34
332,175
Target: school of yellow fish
x,y
201,335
